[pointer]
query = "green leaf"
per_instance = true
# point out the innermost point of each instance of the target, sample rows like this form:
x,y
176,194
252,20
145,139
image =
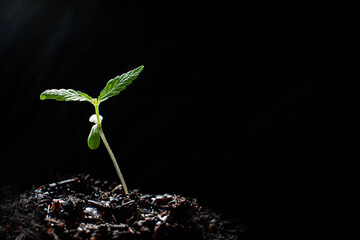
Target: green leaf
x,y
94,137
66,95
119,83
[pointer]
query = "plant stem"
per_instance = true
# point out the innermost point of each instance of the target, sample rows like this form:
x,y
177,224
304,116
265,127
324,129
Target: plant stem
x,y
97,112
113,160
112,156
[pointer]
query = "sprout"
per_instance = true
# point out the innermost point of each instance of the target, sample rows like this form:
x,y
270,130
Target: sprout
x,y
112,88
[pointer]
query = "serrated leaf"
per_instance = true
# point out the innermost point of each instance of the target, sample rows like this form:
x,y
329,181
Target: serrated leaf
x,y
94,137
65,95
119,83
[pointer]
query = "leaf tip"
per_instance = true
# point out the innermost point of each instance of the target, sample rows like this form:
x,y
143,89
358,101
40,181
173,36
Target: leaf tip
x,y
141,68
42,96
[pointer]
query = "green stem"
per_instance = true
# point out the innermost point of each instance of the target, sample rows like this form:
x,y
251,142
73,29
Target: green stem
x,y
112,156
97,112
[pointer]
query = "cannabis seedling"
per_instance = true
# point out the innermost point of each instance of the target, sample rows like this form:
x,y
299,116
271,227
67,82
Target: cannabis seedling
x,y
113,88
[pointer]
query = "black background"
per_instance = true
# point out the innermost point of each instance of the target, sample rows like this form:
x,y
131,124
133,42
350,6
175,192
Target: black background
x,y
225,111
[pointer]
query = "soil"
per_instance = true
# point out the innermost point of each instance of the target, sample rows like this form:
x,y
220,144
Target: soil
x,y
84,208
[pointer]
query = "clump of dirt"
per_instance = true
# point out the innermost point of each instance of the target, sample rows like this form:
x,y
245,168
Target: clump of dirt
x,y
84,208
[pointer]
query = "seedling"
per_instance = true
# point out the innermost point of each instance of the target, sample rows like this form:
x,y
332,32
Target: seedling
x,y
113,88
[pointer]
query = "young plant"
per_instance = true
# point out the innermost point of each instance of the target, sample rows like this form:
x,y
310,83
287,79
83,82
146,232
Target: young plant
x,y
113,88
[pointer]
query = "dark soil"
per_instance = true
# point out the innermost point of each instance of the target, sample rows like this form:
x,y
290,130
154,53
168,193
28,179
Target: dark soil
x,y
84,208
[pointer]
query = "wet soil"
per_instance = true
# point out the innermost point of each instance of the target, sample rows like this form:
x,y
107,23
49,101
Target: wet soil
x,y
84,208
